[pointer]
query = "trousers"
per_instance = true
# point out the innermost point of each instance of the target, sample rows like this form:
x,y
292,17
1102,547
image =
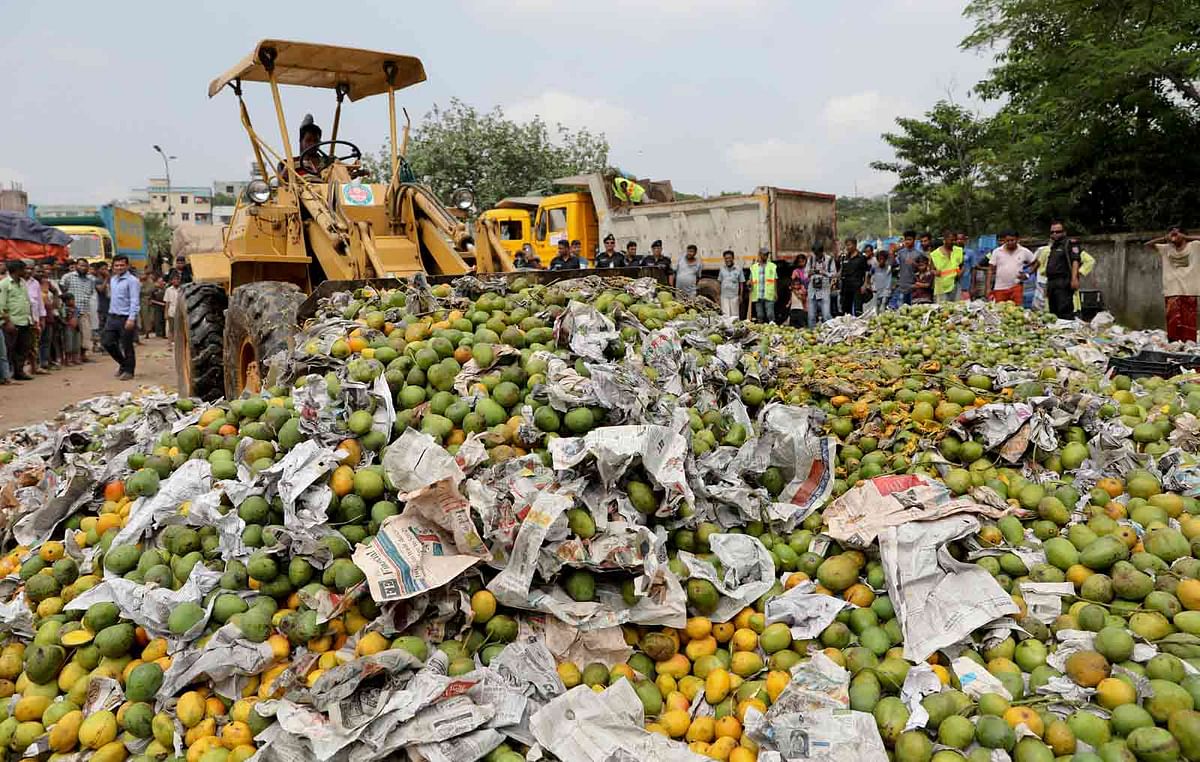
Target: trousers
x,y
117,340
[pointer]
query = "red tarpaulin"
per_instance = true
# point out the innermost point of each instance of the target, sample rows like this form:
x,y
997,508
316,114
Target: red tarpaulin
x,y
37,252
24,238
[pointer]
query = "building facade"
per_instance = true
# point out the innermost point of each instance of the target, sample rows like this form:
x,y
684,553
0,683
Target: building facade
x,y
187,204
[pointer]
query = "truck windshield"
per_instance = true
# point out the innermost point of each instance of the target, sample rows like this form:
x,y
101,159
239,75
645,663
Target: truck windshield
x,y
510,230
85,246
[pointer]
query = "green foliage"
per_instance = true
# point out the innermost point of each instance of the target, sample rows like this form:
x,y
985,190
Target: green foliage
x,y
1096,101
158,236
493,155
865,217
223,199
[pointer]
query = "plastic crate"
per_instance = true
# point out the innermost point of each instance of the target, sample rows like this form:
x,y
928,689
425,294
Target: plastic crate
x,y
1186,361
1135,368
1151,362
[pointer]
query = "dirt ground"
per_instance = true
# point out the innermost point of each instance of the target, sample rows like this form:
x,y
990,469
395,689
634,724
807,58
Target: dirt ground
x,y
40,399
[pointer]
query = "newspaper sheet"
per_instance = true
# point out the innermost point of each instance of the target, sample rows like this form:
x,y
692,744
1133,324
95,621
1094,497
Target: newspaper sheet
x,y
939,600
860,516
408,557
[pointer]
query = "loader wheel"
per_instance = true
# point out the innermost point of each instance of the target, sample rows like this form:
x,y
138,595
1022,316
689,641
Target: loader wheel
x,y
260,319
710,289
199,327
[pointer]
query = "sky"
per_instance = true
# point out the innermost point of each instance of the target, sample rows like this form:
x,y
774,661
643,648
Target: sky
x,y
715,95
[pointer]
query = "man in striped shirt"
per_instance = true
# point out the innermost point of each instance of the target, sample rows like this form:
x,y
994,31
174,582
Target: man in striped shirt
x,y
82,286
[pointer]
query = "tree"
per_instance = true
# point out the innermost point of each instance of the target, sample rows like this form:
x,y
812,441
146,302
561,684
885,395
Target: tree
x,y
223,199
158,237
942,160
494,156
1098,98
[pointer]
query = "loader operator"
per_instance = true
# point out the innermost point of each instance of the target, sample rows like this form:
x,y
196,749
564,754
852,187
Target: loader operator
x,y
310,135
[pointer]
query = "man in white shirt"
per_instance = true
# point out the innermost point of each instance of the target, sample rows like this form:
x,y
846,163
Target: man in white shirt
x,y
1180,255
1010,262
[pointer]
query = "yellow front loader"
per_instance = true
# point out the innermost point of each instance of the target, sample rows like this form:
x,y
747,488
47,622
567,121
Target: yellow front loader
x,y
314,217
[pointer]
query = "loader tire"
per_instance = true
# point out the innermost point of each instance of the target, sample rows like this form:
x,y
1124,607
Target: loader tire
x,y
260,318
710,289
199,326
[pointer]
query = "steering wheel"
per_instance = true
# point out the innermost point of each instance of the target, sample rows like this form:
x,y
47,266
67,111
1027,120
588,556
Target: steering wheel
x,y
322,159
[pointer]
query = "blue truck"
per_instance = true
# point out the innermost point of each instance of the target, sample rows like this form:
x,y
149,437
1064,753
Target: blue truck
x,y
98,232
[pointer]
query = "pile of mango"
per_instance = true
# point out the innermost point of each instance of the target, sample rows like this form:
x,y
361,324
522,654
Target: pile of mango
x,y
1122,539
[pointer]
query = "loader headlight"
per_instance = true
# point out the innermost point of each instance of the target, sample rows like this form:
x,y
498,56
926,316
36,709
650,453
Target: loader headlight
x,y
258,192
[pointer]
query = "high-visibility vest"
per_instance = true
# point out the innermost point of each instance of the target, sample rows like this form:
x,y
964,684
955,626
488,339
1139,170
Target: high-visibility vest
x,y
627,190
945,268
762,282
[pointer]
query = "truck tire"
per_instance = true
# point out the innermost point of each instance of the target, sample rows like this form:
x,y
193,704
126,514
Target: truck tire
x,y
710,289
260,318
199,326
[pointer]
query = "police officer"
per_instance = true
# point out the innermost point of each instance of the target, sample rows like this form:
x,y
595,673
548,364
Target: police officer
x,y
631,256
1060,261
563,260
610,257
657,258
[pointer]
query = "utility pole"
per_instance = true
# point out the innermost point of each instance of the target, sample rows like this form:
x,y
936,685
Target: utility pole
x,y
167,168
889,211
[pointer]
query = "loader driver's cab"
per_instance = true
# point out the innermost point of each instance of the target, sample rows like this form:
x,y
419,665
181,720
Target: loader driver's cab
x,y
316,155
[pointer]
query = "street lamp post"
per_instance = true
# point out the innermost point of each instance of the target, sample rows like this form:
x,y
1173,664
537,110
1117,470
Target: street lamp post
x,y
167,168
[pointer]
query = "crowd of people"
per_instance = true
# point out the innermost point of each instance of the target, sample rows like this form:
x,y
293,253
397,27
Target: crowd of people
x,y
919,269
57,315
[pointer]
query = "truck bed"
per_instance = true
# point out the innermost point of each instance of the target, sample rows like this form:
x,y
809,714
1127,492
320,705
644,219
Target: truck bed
x,y
787,222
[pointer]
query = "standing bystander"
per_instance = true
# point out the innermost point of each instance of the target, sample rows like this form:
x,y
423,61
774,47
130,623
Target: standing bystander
x,y
38,308
171,298
16,310
762,287
1010,261
820,284
1180,255
798,305
731,279
852,278
881,281
80,284
947,261
902,268
687,272
610,257
71,343
120,325
1058,272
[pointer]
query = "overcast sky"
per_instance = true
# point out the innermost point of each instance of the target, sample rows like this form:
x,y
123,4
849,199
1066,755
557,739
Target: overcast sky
x,y
712,94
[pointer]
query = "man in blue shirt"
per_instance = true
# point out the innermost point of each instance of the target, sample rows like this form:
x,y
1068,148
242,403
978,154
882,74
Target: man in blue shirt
x,y
971,259
120,325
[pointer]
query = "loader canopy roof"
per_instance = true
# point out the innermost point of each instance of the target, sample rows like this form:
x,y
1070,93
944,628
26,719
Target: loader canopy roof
x,y
312,65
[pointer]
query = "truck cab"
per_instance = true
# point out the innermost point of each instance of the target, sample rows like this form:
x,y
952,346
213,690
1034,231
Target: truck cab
x,y
570,216
95,244
514,221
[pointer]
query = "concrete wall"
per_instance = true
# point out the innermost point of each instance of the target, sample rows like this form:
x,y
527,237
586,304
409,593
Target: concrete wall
x,y
1130,277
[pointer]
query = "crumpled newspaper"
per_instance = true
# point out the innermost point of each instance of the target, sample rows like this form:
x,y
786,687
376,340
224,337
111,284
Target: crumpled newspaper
x,y
938,599
806,613
664,603
151,607
409,556
747,572
864,513
811,719
662,452
189,481
587,330
225,656
585,726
